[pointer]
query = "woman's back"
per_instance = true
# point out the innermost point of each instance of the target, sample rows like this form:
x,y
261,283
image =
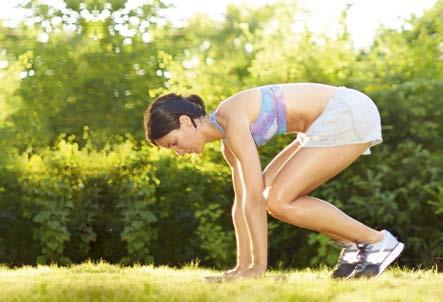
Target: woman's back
x,y
302,102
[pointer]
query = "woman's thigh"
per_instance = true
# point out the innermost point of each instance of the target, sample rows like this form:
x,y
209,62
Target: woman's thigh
x,y
279,160
309,168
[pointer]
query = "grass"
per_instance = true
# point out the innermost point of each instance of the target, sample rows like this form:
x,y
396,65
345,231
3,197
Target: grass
x,y
105,282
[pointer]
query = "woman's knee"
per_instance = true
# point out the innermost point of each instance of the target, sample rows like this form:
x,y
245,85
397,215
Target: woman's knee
x,y
272,211
280,209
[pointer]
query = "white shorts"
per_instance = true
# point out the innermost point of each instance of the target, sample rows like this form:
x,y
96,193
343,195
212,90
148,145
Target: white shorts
x,y
349,117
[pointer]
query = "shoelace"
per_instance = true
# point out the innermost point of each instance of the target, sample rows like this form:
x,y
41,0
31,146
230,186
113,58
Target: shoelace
x,y
362,255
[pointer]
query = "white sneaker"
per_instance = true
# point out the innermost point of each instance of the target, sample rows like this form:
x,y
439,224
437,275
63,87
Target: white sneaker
x,y
374,258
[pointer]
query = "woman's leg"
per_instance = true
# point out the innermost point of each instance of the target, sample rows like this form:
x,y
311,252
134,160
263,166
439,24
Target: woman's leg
x,y
329,220
336,237
278,162
303,172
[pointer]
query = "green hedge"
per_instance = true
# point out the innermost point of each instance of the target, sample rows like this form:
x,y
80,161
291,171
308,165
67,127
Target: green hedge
x,y
120,204
129,206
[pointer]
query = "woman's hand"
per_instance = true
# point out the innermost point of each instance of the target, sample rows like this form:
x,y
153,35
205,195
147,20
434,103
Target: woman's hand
x,y
233,272
253,271
228,275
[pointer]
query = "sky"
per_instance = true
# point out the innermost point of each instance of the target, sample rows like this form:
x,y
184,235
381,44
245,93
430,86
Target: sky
x,y
363,19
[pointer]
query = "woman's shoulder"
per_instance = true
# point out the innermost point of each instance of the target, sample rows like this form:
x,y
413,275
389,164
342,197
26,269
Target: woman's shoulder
x,y
245,102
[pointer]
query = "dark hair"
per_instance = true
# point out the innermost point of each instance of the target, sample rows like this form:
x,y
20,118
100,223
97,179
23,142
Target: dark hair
x,y
162,116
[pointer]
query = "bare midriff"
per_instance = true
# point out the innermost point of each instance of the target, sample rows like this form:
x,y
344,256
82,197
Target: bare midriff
x,y
304,103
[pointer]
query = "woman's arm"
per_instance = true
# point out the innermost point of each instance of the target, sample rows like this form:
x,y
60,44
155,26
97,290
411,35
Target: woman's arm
x,y
243,147
244,256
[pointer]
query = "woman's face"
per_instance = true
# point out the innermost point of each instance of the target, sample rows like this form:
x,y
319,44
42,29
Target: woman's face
x,y
184,140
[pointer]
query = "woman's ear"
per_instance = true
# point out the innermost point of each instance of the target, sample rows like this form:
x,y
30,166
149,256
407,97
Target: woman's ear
x,y
186,120
183,119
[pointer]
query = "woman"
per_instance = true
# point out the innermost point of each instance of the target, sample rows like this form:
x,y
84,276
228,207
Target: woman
x,y
335,125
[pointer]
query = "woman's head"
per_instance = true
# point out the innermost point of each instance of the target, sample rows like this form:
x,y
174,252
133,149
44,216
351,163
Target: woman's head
x,y
170,122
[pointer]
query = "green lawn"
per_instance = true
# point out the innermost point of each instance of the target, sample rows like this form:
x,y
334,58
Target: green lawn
x,y
106,282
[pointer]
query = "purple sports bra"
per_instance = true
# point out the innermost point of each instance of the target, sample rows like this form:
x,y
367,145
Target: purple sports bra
x,y
272,117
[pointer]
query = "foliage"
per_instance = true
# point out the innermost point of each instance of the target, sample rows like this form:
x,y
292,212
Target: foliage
x,y
77,182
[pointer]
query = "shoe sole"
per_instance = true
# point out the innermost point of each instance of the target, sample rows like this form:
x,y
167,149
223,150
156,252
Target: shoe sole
x,y
391,257
345,276
350,276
